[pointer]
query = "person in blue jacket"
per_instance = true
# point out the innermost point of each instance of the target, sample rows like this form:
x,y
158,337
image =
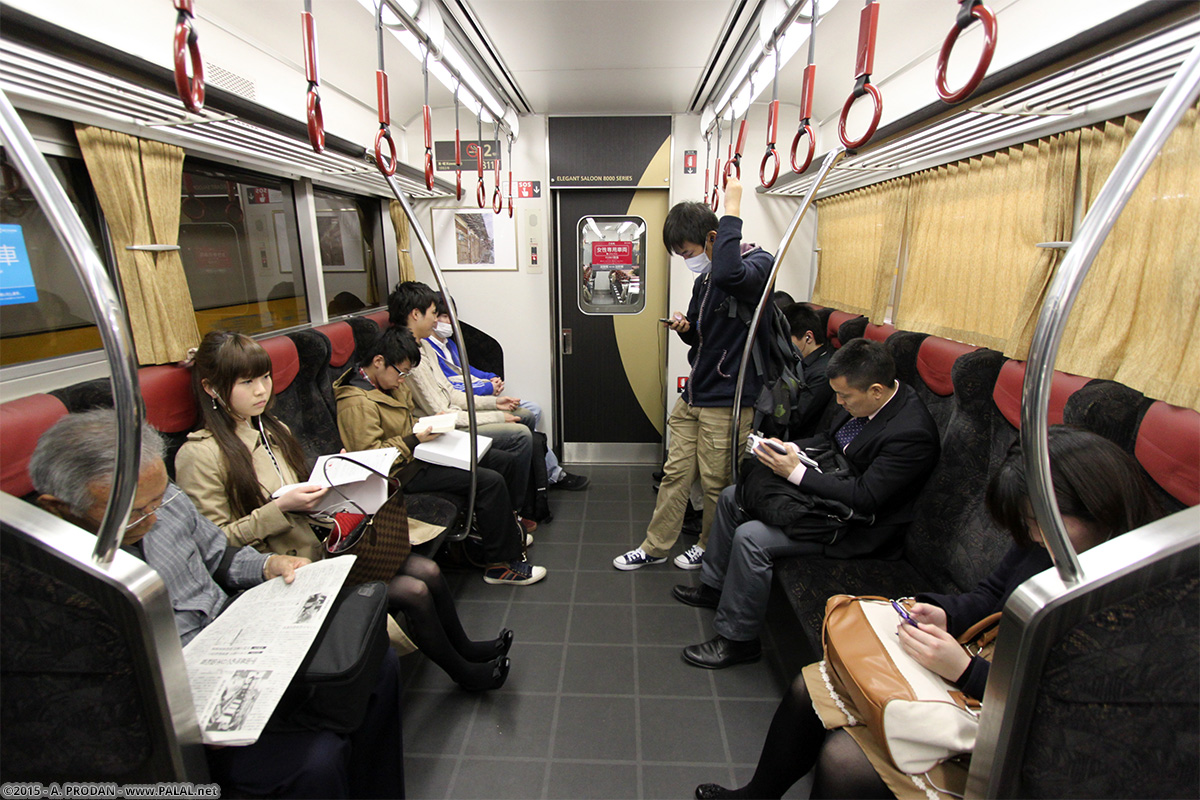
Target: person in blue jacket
x,y
730,274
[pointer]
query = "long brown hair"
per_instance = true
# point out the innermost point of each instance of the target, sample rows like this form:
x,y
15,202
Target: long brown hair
x,y
223,359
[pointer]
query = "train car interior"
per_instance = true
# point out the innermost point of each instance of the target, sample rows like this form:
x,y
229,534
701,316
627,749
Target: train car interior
x,y
999,198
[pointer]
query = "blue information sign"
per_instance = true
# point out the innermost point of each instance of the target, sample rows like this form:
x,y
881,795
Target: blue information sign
x,y
16,276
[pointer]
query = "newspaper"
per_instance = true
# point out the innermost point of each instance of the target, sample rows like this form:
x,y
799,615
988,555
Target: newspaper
x,y
363,490
241,664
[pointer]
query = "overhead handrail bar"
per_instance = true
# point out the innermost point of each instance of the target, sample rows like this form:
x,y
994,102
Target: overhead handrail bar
x,y
807,87
427,122
831,158
315,118
868,25
431,257
187,53
968,12
1176,98
110,320
458,189
386,166
772,132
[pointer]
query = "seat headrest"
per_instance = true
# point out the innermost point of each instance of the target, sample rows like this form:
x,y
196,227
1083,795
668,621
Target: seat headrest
x,y
1007,394
167,391
935,363
834,323
380,318
878,333
23,421
341,342
285,361
1168,448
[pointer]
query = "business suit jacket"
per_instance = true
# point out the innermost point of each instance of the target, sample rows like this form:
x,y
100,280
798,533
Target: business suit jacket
x,y
891,457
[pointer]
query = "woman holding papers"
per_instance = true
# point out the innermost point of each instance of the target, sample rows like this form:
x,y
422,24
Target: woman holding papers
x,y
230,467
241,454
374,409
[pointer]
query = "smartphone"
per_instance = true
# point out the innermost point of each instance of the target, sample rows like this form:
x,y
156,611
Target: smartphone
x,y
756,440
904,615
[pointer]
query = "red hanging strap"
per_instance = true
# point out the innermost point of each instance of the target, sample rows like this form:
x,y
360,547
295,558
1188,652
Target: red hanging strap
x,y
316,120
458,187
187,53
968,12
497,196
480,191
427,118
510,194
715,200
734,164
868,24
772,131
808,85
387,165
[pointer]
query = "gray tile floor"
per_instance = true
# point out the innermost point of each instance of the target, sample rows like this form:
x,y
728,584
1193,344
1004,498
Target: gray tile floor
x,y
599,703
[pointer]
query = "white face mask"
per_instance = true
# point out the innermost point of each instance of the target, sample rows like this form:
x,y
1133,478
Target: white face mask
x,y
698,264
443,330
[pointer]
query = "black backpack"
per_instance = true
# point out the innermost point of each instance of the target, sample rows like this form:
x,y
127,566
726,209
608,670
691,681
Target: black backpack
x,y
777,364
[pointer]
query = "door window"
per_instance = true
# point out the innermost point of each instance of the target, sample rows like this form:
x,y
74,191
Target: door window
x,y
612,265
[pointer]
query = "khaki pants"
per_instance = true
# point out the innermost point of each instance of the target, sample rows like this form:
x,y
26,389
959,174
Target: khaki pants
x,y
699,445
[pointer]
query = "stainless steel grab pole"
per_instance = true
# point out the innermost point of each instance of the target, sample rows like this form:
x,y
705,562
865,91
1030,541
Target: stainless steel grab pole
x,y
110,319
831,159
1177,97
472,427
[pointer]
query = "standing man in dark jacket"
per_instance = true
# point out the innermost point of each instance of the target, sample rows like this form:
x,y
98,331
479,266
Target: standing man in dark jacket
x,y
729,273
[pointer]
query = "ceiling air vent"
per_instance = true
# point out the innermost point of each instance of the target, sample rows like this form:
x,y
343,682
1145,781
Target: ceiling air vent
x,y
229,81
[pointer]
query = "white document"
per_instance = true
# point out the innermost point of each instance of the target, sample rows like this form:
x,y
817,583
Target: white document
x,y
440,423
451,449
362,486
241,664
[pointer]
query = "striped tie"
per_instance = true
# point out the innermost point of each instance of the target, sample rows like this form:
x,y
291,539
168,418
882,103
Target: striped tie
x,y
845,434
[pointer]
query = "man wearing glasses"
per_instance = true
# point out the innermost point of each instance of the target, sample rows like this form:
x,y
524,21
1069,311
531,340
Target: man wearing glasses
x,y
72,470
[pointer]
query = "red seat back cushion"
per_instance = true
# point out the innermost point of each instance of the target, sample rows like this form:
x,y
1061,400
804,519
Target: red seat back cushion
x,y
835,321
1168,447
22,422
1007,394
341,342
879,333
167,391
285,361
380,318
935,360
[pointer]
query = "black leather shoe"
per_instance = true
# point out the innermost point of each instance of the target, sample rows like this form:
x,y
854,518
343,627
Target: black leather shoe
x,y
712,791
719,652
702,596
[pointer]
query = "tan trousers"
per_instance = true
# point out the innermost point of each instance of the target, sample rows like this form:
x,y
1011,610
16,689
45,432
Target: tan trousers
x,y
699,446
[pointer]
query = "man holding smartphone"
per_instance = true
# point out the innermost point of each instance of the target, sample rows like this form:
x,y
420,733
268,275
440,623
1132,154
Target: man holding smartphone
x,y
728,272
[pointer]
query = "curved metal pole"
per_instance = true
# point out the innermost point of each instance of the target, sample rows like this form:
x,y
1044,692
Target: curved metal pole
x,y
427,248
1176,98
831,158
110,319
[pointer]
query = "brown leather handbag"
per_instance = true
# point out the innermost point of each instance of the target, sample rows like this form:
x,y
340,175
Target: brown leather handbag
x,y
379,541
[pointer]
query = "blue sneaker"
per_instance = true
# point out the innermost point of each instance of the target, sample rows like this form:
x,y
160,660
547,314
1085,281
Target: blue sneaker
x,y
636,559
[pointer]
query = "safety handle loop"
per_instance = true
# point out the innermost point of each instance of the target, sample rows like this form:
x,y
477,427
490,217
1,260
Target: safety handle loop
x,y
735,163
716,200
497,200
428,148
805,130
968,11
313,115
386,165
187,53
458,187
481,194
771,154
868,25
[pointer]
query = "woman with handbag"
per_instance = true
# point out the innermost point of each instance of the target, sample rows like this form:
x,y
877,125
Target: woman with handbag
x,y
1101,494
241,454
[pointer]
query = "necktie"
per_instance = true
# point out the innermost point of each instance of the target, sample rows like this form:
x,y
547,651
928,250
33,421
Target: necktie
x,y
845,434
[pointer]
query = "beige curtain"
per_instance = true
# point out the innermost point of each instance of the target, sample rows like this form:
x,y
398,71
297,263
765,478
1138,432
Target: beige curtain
x,y
974,226
859,234
1136,318
403,241
137,183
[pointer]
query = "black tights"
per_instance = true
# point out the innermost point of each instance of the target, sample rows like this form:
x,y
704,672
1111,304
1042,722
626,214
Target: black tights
x,y
420,591
796,742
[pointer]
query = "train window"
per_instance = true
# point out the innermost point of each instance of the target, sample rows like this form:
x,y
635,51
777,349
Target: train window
x,y
241,250
44,309
612,265
347,228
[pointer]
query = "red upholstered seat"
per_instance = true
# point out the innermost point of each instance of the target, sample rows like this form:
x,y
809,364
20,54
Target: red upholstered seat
x,y
878,333
1168,447
380,318
167,392
285,361
835,321
341,342
1007,394
22,422
935,360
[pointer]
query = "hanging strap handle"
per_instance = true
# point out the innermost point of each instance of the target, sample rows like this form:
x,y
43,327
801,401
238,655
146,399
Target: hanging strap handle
x,y
715,201
497,195
772,131
808,85
868,25
480,191
187,53
510,194
968,12
707,155
458,189
386,165
734,164
316,120
427,119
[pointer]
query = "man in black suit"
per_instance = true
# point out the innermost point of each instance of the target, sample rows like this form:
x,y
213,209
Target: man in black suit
x,y
891,444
